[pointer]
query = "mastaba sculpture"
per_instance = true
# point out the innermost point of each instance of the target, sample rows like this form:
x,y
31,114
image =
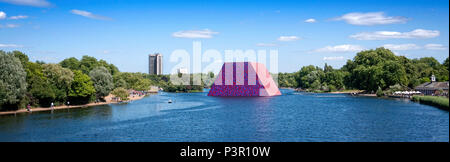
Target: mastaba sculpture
x,y
244,79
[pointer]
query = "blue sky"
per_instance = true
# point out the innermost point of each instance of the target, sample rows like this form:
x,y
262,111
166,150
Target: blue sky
x,y
314,32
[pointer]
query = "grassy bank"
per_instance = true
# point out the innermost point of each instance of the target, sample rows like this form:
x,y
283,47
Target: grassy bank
x,y
438,101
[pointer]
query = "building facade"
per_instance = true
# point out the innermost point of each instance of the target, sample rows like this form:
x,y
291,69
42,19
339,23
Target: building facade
x,y
433,88
155,64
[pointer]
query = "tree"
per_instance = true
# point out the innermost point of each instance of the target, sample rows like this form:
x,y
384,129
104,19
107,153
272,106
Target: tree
x,y
12,79
43,91
111,68
393,73
371,69
308,75
87,64
22,57
446,64
82,88
103,81
121,93
327,68
120,83
60,78
71,63
287,80
379,92
142,85
335,79
40,90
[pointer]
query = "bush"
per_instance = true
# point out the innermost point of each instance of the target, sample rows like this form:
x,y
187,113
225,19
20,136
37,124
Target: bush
x,y
380,92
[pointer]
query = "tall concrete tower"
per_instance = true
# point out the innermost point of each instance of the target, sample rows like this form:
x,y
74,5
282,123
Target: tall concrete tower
x,y
155,64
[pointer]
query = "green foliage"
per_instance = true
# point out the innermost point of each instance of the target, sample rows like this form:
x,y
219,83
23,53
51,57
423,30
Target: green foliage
x,y
313,78
12,80
170,87
381,68
43,91
287,80
120,83
21,56
369,70
87,63
428,66
438,101
82,88
121,93
103,81
380,92
142,85
131,79
309,77
446,64
71,63
335,79
60,79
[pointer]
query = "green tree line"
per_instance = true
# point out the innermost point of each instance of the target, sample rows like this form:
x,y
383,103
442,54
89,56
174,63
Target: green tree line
x,y
369,70
23,82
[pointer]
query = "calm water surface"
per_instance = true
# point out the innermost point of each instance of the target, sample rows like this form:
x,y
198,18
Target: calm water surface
x,y
293,116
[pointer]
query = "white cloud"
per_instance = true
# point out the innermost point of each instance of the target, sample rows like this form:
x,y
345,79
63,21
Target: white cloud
x,y
288,38
338,58
370,18
35,3
401,47
266,45
206,33
10,46
18,17
435,47
9,26
88,14
340,48
2,15
382,35
310,21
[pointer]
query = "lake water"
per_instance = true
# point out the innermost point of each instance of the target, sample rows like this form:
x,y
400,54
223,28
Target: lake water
x,y
294,116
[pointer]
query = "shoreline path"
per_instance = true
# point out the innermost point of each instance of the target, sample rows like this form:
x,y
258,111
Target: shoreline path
x,y
107,98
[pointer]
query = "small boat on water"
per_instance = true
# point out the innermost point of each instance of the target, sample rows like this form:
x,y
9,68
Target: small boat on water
x,y
170,101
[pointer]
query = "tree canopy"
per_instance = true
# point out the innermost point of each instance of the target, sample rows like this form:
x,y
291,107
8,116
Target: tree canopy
x,y
82,87
103,81
12,79
87,63
369,70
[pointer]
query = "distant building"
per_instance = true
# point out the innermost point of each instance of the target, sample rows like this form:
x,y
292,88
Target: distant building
x,y
155,64
182,71
433,88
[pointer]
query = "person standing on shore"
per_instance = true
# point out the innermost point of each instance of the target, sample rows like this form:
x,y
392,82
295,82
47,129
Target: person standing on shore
x,y
28,107
51,106
68,103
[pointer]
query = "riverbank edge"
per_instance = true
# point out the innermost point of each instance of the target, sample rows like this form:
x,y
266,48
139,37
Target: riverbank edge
x,y
355,93
37,109
432,101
